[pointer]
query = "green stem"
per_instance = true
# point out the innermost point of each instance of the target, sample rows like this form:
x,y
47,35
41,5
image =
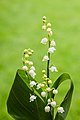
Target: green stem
x,y
48,60
53,113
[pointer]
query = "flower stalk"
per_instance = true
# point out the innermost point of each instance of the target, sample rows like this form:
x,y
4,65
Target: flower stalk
x,y
48,62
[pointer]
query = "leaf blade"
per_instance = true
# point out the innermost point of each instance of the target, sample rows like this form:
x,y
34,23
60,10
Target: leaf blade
x,y
18,104
67,99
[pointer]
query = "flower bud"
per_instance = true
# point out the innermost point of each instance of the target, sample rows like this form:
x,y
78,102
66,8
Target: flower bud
x,y
48,89
44,82
32,68
44,27
25,51
25,68
49,29
43,94
49,101
52,44
43,71
32,51
32,98
38,86
32,83
60,109
49,25
30,63
29,53
49,81
26,62
44,21
47,108
55,91
51,50
44,41
50,33
29,49
53,104
32,73
26,56
53,69
42,85
44,17
45,58
44,76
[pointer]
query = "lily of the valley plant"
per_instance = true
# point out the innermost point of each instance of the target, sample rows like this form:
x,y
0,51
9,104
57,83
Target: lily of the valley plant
x,y
31,100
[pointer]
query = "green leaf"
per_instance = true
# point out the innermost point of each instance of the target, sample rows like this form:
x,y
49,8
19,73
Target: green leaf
x,y
18,104
67,99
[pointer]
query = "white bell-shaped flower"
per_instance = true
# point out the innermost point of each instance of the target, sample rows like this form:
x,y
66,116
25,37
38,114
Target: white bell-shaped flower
x,y
32,68
52,44
43,94
38,86
53,69
30,63
25,68
32,83
49,101
47,109
32,73
55,91
32,98
51,50
53,104
45,58
60,109
44,41
48,29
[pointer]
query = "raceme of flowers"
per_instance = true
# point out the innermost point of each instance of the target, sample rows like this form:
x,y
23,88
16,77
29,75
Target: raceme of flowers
x,y
28,66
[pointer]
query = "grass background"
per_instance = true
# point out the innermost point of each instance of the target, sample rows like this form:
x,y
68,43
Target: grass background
x,y
20,28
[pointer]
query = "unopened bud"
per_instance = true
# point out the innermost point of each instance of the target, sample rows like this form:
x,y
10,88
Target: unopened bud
x,y
44,76
29,49
49,25
26,62
47,109
25,68
44,21
53,104
42,85
44,82
30,63
44,17
49,101
48,89
43,94
49,29
25,51
50,82
29,53
26,56
43,71
44,27
55,91
50,33
32,51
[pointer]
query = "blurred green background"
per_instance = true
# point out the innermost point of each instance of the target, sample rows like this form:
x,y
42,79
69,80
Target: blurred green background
x,y
20,28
